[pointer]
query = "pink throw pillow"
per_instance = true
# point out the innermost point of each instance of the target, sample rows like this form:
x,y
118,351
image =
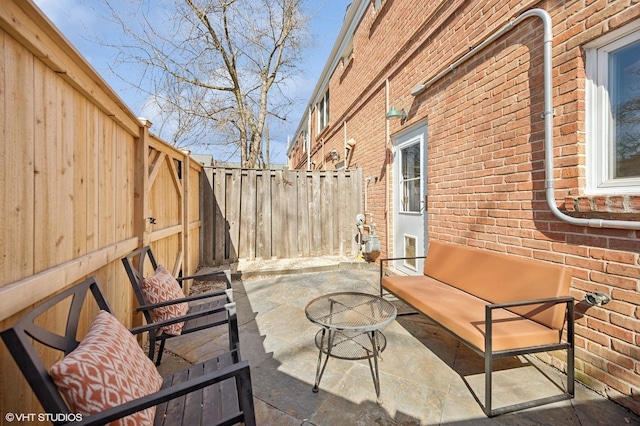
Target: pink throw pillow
x,y
107,369
163,287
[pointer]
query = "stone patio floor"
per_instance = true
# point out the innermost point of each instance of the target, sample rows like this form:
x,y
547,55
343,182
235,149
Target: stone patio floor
x,y
427,377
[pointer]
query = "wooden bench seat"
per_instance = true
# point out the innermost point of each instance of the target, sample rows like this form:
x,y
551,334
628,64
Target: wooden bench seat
x,y
499,305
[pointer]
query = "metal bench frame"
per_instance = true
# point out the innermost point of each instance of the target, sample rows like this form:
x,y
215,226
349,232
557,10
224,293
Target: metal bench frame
x,y
489,355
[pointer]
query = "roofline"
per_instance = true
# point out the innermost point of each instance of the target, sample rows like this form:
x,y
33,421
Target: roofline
x,y
354,14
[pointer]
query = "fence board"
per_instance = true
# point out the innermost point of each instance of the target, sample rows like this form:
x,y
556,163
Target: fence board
x,y
343,203
291,187
221,229
280,214
304,241
248,209
17,161
234,183
263,205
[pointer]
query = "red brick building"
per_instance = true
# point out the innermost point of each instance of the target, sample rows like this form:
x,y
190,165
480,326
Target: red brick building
x,y
518,132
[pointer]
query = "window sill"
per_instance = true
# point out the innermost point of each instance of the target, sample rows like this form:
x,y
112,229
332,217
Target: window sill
x,y
604,206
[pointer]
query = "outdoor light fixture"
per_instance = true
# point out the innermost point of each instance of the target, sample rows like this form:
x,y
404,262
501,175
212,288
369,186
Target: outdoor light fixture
x,y
597,298
394,114
334,155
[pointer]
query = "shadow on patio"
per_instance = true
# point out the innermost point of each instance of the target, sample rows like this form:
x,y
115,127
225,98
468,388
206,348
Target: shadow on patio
x,y
427,377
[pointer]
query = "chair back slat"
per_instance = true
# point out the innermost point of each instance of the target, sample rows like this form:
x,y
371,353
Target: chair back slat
x,y
18,340
134,265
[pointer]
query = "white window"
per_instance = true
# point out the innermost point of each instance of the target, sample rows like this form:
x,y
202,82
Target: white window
x,y
323,112
613,112
304,139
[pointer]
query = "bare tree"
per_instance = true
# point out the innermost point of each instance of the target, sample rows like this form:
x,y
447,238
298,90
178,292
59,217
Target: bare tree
x,y
215,70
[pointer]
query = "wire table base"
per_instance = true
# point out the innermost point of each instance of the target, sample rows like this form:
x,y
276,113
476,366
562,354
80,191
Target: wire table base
x,y
351,324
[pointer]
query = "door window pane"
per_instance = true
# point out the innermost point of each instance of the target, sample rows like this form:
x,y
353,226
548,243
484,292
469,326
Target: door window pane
x,y
411,174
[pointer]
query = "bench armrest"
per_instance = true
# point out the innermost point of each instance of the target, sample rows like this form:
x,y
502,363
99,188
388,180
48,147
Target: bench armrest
x,y
240,370
387,259
552,300
489,308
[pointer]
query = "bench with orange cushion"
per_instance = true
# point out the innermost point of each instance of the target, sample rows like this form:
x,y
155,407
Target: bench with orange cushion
x,y
499,305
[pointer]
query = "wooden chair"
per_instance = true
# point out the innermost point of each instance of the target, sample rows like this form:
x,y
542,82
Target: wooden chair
x,y
184,396
206,310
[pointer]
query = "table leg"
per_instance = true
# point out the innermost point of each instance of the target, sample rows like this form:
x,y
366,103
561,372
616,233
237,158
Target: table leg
x,y
321,366
374,368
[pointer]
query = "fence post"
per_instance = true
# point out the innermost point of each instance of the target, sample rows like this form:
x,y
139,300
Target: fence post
x,y
186,184
141,190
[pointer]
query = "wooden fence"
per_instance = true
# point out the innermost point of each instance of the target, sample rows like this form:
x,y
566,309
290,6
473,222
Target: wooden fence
x,y
265,214
81,178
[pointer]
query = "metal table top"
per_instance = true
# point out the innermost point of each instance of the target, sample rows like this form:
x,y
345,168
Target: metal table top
x,y
350,311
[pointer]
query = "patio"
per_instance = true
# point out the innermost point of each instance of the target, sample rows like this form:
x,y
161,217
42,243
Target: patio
x,y
426,375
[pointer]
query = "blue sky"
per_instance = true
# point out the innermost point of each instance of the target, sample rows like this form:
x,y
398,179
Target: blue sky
x,y
81,24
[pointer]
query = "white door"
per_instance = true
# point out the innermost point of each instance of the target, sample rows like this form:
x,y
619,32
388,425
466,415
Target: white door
x,y
410,177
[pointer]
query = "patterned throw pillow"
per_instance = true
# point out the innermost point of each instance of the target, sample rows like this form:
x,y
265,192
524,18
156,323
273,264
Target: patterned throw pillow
x,y
107,369
163,287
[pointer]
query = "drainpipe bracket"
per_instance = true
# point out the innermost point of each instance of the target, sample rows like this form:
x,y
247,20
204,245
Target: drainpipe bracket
x,y
553,113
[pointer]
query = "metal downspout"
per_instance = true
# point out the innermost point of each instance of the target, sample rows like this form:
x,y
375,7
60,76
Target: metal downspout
x,y
308,139
548,118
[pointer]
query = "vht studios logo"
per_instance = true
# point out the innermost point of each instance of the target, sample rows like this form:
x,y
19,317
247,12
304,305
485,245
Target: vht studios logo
x,y
43,417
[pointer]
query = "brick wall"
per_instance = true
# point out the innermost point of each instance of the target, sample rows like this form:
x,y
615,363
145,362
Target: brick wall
x,y
486,178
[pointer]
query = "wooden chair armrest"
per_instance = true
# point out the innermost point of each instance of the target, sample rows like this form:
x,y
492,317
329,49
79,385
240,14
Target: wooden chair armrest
x,y
241,370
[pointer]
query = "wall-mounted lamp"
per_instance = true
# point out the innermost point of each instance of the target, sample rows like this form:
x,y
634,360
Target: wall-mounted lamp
x,y
597,298
394,114
334,155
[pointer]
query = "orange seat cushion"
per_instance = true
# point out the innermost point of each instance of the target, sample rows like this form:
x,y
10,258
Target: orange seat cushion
x,y
500,278
459,282
464,314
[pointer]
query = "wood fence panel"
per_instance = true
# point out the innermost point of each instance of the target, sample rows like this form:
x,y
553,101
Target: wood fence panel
x,y
291,235
92,213
16,161
263,221
303,214
80,175
74,167
221,228
278,216
234,182
342,195
282,214
248,212
207,209
315,213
